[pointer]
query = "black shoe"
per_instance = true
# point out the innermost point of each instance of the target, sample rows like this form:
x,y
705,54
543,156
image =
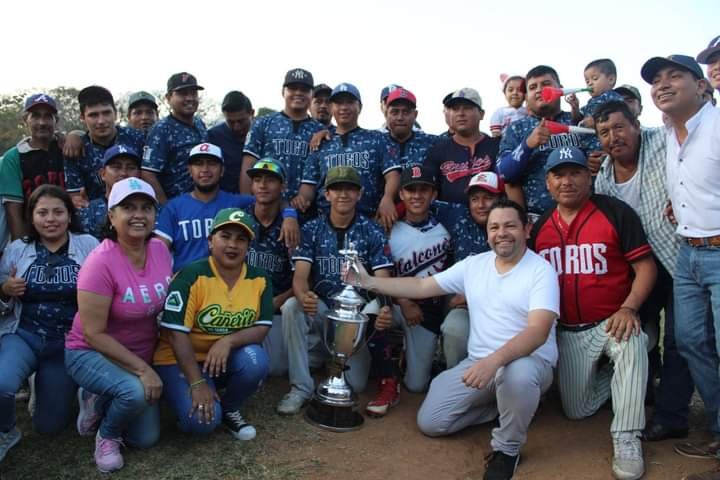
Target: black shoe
x,y
237,426
655,432
499,466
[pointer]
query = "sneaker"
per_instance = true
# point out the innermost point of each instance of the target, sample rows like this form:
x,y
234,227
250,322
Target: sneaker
x,y
388,395
628,461
709,475
699,450
107,454
291,403
8,440
237,425
88,419
500,466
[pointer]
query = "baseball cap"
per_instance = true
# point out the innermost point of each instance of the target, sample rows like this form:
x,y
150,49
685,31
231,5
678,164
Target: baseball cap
x,y
40,99
346,89
179,81
416,174
141,96
321,88
120,151
447,98
655,64
234,216
342,174
267,165
564,156
401,94
489,181
299,76
129,186
712,48
236,101
387,90
629,89
206,150
465,94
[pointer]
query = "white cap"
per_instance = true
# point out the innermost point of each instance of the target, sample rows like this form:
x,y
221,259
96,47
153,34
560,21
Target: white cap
x,y
489,181
129,186
206,149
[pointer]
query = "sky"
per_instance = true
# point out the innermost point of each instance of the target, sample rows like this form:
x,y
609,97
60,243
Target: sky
x,y
430,47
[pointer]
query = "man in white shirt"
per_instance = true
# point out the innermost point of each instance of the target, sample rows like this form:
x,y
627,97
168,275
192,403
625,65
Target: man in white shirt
x,y
513,300
693,182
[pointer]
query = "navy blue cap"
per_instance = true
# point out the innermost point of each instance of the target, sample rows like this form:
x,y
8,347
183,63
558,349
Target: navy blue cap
x,y
348,89
415,174
120,150
299,76
655,64
712,48
565,155
387,90
40,99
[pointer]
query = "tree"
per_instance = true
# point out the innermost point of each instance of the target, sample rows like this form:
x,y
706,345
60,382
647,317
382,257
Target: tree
x,y
262,111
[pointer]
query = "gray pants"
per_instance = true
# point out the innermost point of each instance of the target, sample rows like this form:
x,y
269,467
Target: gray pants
x,y
455,331
275,348
419,348
514,395
298,341
584,387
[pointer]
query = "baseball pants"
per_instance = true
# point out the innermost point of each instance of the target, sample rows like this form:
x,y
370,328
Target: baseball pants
x,y
455,333
585,386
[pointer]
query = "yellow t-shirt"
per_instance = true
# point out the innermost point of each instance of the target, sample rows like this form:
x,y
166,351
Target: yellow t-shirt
x,y
200,304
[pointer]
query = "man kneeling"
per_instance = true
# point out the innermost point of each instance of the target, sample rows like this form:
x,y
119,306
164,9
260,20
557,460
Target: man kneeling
x,y
513,301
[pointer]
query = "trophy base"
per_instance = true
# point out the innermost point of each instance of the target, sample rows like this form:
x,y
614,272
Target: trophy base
x,y
333,418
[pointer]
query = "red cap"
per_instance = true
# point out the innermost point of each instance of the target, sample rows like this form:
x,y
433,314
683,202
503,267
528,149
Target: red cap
x,y
401,94
489,181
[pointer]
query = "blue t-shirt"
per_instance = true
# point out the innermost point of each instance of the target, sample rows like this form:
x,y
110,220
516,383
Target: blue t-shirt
x,y
287,141
270,254
50,298
522,165
594,103
413,151
93,217
320,246
232,149
186,222
364,150
167,150
83,172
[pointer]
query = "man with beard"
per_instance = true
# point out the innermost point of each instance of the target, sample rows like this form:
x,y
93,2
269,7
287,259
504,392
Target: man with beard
x,y
320,105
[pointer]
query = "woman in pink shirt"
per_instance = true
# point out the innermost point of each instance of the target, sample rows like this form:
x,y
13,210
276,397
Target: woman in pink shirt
x,y
121,289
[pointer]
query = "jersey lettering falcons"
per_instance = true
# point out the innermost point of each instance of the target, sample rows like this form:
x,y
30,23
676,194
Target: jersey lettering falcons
x,y
586,258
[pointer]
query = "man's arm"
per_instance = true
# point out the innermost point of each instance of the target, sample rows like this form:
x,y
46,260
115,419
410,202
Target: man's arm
x,y
151,178
301,287
244,180
407,287
386,213
622,323
16,224
515,151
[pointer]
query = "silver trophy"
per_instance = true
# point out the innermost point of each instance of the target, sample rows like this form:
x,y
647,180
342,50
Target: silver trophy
x,y
334,405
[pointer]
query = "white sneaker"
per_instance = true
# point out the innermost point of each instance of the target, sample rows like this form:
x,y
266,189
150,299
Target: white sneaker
x,y
628,461
291,403
8,440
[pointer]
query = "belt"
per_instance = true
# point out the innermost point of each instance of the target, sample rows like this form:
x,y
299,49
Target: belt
x,y
704,241
580,327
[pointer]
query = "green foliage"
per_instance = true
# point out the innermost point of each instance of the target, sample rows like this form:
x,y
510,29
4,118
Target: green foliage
x,y
262,111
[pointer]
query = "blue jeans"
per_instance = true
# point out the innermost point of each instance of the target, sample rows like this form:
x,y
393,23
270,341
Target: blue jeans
x,y
122,403
697,289
247,367
21,354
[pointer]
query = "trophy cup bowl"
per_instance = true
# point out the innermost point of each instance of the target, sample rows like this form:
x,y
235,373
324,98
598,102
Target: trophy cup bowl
x,y
334,405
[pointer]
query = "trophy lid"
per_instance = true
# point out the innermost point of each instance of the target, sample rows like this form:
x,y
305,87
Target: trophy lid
x,y
347,305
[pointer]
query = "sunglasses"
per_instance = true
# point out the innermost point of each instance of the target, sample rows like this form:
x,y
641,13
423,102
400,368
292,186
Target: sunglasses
x,y
270,166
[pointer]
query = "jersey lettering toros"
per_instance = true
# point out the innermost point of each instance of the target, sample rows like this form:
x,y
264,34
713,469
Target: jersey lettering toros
x,y
269,253
365,151
320,246
592,256
411,152
287,141
168,147
84,173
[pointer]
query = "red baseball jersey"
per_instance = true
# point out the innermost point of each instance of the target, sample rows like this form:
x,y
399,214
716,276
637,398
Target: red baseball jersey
x,y
592,256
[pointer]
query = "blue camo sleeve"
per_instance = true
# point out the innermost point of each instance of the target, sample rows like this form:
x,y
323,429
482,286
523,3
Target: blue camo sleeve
x,y
256,138
156,150
514,155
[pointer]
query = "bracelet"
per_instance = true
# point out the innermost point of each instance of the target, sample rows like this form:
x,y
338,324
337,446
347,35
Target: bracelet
x,y
289,213
197,383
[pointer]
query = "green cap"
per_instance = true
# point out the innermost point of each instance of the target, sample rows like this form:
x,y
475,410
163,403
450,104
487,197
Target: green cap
x,y
234,216
342,174
141,96
625,89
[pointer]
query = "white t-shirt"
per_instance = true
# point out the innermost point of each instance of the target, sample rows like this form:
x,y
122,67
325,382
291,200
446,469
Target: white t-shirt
x,y
504,116
499,304
630,191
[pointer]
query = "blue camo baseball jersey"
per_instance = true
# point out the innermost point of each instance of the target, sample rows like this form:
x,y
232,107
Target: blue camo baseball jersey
x,y
92,218
186,223
594,103
320,246
84,173
520,164
287,141
411,152
466,236
167,150
270,254
364,150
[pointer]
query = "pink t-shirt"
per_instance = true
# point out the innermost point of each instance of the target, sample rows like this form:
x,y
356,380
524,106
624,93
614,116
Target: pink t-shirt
x,y
137,295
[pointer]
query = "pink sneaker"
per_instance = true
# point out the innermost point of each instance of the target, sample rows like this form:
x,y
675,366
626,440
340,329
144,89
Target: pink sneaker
x,y
107,454
88,419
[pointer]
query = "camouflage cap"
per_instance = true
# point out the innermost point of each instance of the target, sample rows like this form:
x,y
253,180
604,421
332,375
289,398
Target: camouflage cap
x,y
342,174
